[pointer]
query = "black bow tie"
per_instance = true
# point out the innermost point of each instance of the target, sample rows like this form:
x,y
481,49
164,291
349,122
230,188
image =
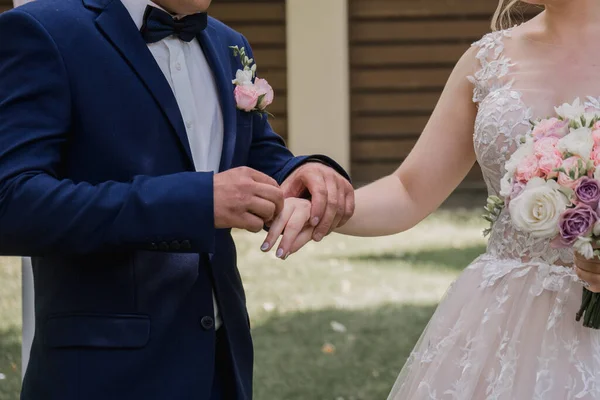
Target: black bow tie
x,y
159,24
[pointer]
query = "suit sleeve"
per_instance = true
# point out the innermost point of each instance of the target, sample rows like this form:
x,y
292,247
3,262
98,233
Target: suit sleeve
x,y
44,213
269,153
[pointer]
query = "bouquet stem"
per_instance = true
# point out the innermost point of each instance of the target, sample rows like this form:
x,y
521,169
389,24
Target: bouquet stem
x,y
590,310
590,302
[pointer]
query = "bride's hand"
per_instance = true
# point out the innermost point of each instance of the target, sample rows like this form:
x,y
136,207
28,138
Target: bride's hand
x,y
592,279
293,223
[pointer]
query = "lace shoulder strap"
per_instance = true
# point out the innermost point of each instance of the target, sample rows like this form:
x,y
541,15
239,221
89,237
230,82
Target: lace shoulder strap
x,y
494,65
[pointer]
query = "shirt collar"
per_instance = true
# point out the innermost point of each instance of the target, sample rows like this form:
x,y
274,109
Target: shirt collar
x,y
136,9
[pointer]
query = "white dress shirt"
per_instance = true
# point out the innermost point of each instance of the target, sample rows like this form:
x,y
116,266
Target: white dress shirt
x,y
186,69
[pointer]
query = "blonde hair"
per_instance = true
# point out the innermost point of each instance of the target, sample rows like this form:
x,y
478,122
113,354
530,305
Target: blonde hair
x,y
503,17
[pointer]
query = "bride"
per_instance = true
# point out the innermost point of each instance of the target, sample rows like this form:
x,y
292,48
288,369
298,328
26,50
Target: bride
x,y
506,328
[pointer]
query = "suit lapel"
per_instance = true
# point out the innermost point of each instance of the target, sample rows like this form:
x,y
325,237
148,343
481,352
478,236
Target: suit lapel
x,y
217,54
115,23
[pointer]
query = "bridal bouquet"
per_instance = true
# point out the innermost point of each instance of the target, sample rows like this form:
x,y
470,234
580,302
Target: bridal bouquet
x,y
552,188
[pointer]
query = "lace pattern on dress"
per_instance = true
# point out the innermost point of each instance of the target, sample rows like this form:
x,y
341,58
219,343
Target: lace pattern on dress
x,y
502,120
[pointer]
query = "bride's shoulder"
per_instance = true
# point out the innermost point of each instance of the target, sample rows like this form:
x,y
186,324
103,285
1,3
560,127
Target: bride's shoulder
x,y
492,41
499,39
489,48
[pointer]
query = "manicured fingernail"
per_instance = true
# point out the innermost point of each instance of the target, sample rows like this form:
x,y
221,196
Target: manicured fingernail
x,y
264,246
315,221
318,237
279,253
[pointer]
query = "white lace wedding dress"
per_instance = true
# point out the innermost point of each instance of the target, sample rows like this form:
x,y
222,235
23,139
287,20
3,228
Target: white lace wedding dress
x,y
506,329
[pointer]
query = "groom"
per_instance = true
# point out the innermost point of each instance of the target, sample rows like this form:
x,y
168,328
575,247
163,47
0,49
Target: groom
x,y
124,164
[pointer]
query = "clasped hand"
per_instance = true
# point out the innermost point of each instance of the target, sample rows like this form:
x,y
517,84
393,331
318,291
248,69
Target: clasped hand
x,y
247,199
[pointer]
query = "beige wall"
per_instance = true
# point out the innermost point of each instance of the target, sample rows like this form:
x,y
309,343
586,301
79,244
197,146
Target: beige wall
x,y
318,82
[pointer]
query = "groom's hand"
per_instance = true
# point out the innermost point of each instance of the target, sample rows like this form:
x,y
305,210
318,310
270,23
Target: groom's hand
x,y
245,199
331,195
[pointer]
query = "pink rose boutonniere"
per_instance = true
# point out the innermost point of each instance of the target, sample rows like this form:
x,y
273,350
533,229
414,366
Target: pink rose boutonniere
x,y
251,94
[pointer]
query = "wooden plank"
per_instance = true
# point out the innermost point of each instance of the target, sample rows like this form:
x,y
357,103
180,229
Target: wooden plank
x,y
279,125
388,126
388,55
393,150
277,78
279,106
270,58
394,102
420,8
369,172
413,31
248,12
259,35
403,79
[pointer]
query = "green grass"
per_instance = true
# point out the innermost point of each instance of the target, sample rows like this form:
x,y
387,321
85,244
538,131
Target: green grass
x,y
382,291
10,328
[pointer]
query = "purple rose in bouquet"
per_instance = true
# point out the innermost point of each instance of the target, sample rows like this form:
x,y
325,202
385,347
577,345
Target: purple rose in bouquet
x,y
588,192
576,222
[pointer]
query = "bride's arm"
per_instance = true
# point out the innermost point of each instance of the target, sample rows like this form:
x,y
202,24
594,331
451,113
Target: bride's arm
x,y
440,160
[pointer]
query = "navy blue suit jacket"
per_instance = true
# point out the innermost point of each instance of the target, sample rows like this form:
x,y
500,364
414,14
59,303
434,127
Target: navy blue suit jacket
x,y
97,185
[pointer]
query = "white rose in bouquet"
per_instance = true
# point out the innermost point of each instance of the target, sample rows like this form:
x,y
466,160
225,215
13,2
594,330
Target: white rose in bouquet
x,y
538,208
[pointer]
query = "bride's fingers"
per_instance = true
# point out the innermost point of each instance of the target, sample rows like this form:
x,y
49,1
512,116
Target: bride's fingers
x,y
297,222
593,280
303,238
276,229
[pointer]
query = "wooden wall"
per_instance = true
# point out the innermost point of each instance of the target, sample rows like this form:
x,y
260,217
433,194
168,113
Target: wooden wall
x,y
263,24
402,52
5,5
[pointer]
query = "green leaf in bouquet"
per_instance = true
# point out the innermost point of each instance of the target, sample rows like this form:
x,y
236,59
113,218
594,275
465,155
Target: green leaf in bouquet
x,y
581,168
489,219
590,166
561,169
496,199
572,174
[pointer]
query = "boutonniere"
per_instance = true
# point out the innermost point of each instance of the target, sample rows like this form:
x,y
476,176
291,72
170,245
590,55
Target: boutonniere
x,y
252,94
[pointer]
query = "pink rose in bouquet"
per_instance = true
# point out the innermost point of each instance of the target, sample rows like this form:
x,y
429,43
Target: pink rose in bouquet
x,y
570,175
549,165
527,169
552,127
596,133
595,157
545,146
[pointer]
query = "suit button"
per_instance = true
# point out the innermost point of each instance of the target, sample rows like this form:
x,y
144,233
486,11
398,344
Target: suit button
x,y
175,245
164,246
153,246
207,323
186,245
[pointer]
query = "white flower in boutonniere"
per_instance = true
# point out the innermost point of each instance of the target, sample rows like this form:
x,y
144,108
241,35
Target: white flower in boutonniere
x,y
251,94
